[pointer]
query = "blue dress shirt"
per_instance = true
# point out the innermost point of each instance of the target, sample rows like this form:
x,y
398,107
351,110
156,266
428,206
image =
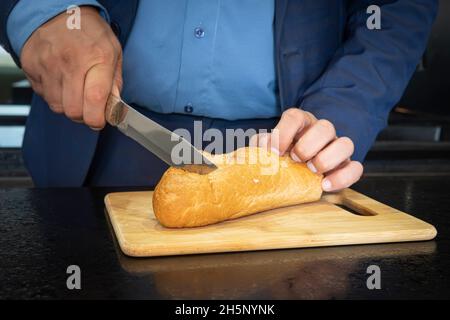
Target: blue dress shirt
x,y
212,58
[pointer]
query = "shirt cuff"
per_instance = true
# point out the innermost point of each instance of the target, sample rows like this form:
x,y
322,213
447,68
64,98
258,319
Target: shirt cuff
x,y
28,15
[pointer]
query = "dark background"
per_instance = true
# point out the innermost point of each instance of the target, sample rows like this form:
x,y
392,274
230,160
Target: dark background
x,y
428,91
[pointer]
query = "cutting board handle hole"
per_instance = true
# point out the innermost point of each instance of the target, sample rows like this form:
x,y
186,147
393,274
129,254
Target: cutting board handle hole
x,y
362,212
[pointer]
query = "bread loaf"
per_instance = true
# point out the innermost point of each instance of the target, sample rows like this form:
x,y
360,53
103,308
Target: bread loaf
x,y
247,181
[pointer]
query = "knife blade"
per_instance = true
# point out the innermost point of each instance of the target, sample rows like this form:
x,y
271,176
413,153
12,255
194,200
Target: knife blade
x,y
154,137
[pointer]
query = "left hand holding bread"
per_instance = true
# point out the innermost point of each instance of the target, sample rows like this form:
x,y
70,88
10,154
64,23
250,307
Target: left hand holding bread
x,y
314,142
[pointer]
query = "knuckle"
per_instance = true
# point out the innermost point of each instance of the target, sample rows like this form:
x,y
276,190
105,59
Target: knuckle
x,y
327,125
36,87
94,122
347,143
45,58
293,113
73,113
310,115
320,163
71,108
55,108
301,152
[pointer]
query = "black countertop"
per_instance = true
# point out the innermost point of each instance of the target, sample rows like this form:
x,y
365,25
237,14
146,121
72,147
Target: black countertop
x,y
43,231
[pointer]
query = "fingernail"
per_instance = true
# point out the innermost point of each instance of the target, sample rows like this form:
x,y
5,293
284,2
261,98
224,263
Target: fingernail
x,y
96,129
295,157
275,150
311,166
326,185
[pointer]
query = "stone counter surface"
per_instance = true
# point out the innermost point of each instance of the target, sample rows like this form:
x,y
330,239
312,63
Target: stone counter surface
x,y
43,231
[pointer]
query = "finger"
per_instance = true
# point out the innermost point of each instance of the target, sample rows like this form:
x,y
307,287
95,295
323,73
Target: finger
x,y
33,78
332,155
291,122
313,140
52,90
73,87
37,87
260,140
51,78
254,140
343,177
97,87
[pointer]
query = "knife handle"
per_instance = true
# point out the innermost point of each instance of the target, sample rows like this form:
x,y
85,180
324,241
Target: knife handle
x,y
115,111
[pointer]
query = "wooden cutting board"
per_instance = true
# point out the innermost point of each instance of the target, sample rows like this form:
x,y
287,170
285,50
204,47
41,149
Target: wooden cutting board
x,y
343,218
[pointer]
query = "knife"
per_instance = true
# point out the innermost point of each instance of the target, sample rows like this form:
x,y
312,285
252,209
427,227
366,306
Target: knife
x,y
154,137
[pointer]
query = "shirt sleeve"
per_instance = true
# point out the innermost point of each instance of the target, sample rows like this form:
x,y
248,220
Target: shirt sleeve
x,y
28,15
369,73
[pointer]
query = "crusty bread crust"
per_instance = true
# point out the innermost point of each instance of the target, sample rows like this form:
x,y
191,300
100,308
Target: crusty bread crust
x,y
247,181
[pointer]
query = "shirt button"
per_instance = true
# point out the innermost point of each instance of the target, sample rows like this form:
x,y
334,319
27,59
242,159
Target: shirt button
x,y
199,32
188,108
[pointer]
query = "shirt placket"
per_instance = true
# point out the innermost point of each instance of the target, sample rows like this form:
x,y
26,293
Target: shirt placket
x,y
197,50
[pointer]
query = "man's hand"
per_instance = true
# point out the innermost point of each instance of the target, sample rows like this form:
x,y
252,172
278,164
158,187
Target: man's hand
x,y
75,70
314,142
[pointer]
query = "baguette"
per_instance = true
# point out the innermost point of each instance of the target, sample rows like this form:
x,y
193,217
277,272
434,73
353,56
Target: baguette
x,y
240,186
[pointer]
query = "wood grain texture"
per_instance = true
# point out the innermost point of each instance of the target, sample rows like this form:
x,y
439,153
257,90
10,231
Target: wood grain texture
x,y
322,223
